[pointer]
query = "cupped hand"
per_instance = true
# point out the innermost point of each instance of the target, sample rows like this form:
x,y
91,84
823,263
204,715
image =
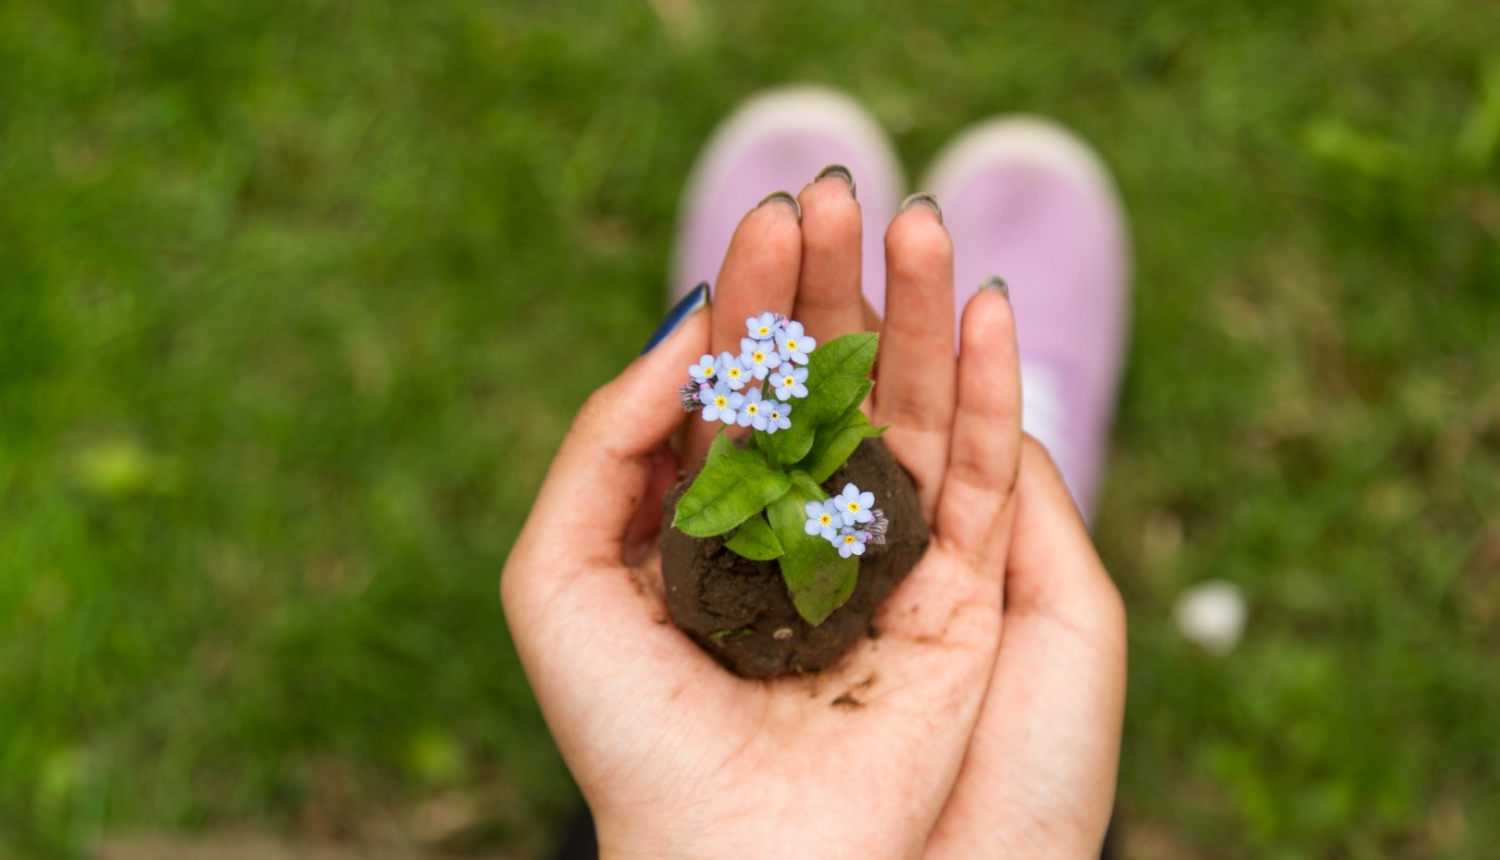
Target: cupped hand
x,y
1039,775
676,756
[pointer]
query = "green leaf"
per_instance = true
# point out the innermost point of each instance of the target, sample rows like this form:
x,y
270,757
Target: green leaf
x,y
789,445
833,444
755,540
876,431
818,578
837,379
733,487
732,633
722,444
801,439
838,376
803,483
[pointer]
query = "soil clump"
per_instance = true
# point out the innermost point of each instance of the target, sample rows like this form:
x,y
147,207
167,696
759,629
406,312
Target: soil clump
x,y
740,611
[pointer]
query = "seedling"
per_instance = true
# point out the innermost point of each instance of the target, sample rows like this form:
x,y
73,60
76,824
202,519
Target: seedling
x,y
802,403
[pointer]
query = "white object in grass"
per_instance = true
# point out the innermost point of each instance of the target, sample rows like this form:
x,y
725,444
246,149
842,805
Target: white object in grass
x,y
1212,615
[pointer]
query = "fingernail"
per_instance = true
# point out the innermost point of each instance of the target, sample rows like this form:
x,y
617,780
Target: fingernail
x,y
995,282
841,172
923,197
784,197
696,298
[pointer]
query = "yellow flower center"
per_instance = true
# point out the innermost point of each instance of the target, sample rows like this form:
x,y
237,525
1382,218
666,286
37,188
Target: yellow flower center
x,y
759,357
763,330
791,345
825,519
848,538
721,402
753,409
854,507
734,373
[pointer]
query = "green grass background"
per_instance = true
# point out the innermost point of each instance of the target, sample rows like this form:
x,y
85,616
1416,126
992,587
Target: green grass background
x,y
297,299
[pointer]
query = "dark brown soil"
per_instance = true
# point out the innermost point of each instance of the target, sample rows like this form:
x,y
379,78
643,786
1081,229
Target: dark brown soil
x,y
710,590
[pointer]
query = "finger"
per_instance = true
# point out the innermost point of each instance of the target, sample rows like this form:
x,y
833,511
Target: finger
x,y
759,274
829,301
596,482
583,623
1039,776
985,447
917,366
975,503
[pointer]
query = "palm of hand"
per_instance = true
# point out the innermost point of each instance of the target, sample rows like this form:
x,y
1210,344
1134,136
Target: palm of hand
x,y
724,760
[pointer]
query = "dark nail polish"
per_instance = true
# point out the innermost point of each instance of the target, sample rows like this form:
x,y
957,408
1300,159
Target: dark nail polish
x,y
995,282
923,197
783,197
696,298
843,173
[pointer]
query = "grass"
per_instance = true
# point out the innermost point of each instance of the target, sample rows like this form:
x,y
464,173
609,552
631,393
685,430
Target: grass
x,y
297,299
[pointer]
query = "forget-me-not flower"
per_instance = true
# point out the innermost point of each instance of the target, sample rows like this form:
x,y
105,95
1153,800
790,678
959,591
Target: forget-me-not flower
x,y
851,542
789,381
721,403
822,519
778,415
794,344
855,506
753,412
732,372
704,372
759,356
765,326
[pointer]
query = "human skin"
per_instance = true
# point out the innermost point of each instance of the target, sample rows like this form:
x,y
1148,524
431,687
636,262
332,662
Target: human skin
x,y
987,721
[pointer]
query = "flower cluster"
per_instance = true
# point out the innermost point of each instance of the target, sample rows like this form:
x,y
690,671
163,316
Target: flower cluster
x,y
849,521
770,355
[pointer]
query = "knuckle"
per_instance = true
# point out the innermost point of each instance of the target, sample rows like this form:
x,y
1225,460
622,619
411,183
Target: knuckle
x,y
915,409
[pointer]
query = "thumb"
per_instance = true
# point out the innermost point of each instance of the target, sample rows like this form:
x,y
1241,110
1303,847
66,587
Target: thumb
x,y
601,472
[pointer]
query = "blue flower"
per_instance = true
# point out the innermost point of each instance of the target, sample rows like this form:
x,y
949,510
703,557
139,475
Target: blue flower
x,y
765,326
851,542
731,371
793,344
777,415
788,381
704,372
855,506
721,403
822,519
753,413
759,356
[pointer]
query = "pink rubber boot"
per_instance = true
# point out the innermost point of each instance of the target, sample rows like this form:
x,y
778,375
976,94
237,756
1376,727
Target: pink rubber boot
x,y
1027,201
779,141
